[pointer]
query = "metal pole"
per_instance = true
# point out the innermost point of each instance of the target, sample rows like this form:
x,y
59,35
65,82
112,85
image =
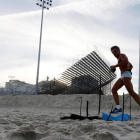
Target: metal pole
x,y
87,108
80,106
110,81
139,68
99,97
110,113
130,107
123,107
36,90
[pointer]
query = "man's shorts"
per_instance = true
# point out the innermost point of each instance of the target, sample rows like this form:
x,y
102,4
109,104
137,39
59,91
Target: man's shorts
x,y
126,74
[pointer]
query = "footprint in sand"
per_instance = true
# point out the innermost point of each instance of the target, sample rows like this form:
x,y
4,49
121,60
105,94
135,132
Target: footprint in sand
x,y
28,135
104,136
2,121
31,135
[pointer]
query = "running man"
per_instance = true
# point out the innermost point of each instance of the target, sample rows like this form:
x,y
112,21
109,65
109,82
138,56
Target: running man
x,y
126,76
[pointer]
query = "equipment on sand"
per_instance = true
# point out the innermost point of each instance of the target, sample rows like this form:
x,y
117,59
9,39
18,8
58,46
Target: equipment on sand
x,y
105,117
74,117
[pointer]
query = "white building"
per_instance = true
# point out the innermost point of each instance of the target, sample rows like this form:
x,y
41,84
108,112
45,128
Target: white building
x,y
16,87
1,90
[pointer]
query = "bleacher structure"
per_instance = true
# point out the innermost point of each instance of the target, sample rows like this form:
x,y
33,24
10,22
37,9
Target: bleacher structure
x,y
90,75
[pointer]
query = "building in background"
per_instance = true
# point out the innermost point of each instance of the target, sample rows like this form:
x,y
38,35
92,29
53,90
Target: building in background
x,y
16,87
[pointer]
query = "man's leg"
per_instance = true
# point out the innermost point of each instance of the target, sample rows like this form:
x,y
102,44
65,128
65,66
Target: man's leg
x,y
129,87
115,88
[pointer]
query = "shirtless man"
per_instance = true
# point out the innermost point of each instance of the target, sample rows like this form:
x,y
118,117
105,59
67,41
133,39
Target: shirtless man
x,y
126,75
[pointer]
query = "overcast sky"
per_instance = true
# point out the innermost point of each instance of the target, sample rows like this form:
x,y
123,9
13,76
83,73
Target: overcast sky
x,y
71,29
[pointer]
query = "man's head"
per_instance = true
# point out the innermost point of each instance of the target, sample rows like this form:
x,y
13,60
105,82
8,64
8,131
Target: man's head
x,y
115,50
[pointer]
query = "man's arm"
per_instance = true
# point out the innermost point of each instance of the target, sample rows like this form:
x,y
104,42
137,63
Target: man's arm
x,y
124,61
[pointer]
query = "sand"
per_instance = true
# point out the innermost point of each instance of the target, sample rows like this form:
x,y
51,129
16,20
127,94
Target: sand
x,y
30,117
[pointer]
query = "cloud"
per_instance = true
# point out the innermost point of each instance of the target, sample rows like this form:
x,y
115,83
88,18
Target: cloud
x,y
67,32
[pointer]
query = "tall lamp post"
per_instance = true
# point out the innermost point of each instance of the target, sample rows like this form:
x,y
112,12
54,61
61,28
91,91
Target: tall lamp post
x,y
139,67
45,4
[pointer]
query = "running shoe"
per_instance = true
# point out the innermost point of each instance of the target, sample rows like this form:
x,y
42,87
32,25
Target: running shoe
x,y
116,111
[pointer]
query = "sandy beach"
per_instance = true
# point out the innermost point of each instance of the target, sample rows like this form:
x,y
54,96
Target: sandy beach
x,y
33,117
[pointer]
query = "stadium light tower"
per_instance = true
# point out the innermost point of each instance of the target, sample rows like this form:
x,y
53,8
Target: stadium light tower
x,y
45,4
139,67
